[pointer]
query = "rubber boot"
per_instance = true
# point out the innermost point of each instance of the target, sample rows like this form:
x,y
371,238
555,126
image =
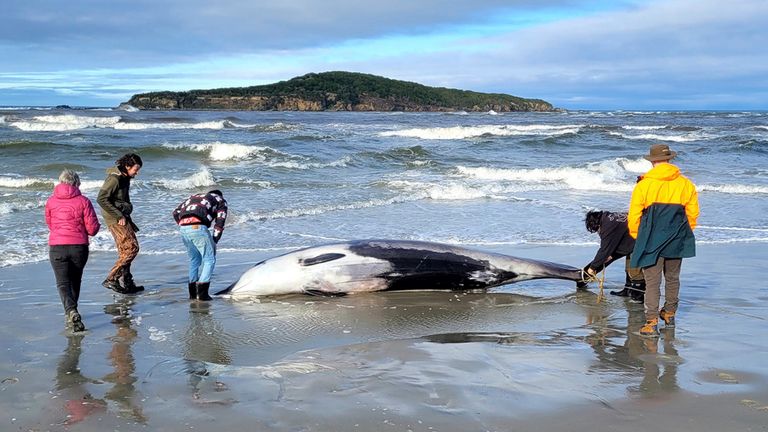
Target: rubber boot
x,y
623,293
202,291
192,290
627,288
638,292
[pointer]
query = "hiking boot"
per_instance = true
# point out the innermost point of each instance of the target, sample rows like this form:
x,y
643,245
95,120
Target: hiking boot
x,y
202,291
75,320
650,329
130,285
667,317
114,285
192,290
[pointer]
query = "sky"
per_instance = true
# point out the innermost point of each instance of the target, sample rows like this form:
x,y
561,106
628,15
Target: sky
x,y
598,55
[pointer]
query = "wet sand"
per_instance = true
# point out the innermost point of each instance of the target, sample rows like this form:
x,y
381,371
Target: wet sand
x,y
530,356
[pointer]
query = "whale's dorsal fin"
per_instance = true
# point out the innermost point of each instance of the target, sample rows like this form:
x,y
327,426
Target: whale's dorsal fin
x,y
306,262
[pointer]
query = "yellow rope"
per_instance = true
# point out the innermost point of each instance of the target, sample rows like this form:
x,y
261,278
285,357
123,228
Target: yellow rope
x,y
600,283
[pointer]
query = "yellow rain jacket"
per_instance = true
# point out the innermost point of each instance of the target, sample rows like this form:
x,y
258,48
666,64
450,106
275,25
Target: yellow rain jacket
x,y
663,184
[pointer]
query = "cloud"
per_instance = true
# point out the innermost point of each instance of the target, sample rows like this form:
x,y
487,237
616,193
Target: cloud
x,y
677,54
140,32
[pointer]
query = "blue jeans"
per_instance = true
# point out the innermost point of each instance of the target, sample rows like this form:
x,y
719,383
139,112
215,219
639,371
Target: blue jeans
x,y
201,251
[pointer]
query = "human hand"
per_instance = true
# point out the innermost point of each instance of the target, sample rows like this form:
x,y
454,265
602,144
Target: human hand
x,y
121,221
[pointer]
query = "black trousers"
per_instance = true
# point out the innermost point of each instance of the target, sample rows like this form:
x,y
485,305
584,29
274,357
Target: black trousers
x,y
68,262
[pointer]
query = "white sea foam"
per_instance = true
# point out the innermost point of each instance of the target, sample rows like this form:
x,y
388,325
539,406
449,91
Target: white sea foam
x,y
734,189
65,122
318,210
447,191
735,240
725,228
27,182
10,207
249,181
604,176
687,137
299,165
215,125
17,183
465,132
225,151
158,335
199,179
643,127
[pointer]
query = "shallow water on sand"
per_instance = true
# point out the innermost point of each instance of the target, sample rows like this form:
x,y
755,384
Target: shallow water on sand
x,y
522,357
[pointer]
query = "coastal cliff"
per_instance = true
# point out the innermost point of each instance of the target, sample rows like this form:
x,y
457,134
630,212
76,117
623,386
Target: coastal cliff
x,y
337,91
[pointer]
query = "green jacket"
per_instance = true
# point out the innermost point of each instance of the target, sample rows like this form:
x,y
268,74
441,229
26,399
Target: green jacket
x,y
114,198
664,232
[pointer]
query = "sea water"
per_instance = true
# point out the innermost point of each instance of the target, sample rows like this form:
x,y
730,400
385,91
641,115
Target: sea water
x,y
295,179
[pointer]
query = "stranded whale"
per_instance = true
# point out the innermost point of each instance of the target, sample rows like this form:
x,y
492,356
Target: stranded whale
x,y
380,265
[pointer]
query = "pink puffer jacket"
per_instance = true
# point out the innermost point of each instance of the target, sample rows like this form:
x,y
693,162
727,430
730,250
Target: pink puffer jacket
x,y
70,216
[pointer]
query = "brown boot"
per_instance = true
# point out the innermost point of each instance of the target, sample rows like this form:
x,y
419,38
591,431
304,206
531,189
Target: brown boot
x,y
667,317
651,328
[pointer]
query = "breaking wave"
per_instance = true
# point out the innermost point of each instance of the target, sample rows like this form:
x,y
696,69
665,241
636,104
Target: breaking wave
x,y
199,179
465,132
70,122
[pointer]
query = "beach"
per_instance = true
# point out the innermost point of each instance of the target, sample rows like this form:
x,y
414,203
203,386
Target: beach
x,y
505,359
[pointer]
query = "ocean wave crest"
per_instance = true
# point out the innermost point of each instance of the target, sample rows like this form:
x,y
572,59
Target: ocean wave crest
x,y
41,183
199,179
607,176
68,122
465,132
687,137
65,122
448,191
734,189
220,151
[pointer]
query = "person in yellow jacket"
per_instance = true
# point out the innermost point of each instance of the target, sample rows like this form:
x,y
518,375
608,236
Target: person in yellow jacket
x,y
662,215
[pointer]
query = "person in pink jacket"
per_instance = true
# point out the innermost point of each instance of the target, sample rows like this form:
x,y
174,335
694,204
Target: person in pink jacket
x,y
71,219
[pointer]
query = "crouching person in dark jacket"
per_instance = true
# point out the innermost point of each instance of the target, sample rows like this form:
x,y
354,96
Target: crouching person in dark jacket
x,y
195,215
615,243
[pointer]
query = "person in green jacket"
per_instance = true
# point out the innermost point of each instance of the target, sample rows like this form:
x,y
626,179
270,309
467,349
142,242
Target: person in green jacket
x,y
663,213
116,208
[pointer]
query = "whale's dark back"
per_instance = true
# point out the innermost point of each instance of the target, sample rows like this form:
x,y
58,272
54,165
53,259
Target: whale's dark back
x,y
423,265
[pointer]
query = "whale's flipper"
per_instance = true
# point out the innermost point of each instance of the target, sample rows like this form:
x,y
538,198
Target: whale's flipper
x,y
227,289
306,262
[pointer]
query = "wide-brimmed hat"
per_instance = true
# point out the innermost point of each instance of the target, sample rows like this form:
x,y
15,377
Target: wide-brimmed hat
x,y
660,152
